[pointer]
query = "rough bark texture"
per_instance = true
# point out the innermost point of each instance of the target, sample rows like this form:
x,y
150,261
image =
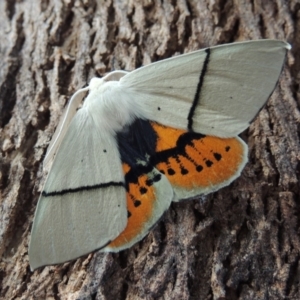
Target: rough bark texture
x,y
239,243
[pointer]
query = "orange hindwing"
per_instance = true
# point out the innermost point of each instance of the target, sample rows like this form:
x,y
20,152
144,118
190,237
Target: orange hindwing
x,y
148,195
197,164
162,164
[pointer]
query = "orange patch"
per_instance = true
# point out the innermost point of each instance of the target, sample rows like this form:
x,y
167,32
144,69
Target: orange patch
x,y
140,202
200,161
167,136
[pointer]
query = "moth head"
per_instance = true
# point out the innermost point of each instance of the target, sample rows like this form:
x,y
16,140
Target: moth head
x,y
96,82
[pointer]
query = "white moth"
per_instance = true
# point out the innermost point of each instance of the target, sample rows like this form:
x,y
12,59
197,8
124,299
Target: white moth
x,y
115,146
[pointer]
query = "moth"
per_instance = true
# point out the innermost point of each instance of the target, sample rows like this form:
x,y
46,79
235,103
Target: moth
x,y
165,132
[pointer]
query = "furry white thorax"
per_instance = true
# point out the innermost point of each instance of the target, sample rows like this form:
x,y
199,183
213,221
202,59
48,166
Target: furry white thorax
x,y
108,104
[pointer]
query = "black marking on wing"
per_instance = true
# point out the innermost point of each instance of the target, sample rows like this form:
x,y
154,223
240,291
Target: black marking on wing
x,y
143,190
155,178
183,170
135,142
138,142
217,156
170,171
137,203
83,188
186,139
208,163
198,91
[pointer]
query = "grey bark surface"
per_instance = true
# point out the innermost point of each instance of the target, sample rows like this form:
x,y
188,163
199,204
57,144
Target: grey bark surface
x,y
241,242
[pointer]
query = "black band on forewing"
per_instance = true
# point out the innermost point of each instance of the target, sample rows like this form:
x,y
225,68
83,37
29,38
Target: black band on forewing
x,y
83,188
198,91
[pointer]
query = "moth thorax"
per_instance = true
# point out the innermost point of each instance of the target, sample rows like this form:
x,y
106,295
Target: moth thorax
x,y
108,103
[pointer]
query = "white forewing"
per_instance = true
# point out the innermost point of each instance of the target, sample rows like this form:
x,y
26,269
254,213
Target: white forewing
x,y
64,125
83,205
88,153
216,91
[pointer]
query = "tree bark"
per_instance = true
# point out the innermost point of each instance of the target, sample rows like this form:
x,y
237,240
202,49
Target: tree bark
x,y
241,242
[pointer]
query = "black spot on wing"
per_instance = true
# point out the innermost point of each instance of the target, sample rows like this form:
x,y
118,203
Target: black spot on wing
x,y
184,171
171,171
137,203
217,156
149,182
199,168
156,177
143,190
209,163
